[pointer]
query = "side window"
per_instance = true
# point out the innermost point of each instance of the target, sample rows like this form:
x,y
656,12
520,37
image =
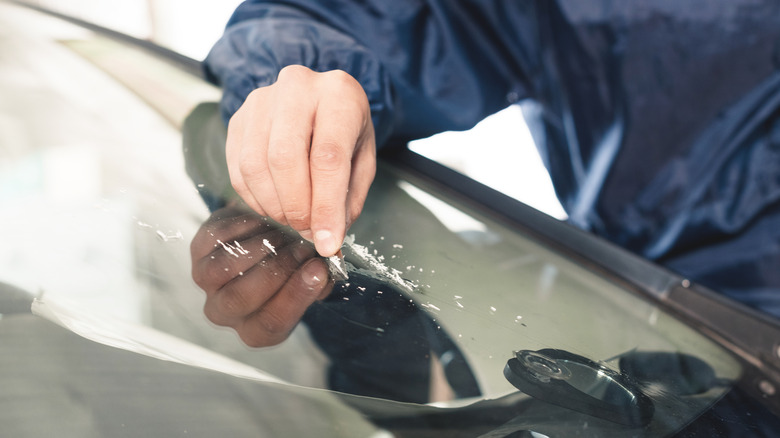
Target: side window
x,y
500,153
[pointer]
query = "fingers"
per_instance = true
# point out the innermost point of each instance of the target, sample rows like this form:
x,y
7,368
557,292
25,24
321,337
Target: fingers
x,y
302,151
258,279
232,259
227,225
248,291
363,172
247,129
273,323
265,303
288,146
268,148
342,132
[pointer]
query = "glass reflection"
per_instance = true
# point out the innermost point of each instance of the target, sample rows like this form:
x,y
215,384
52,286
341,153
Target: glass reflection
x,y
258,277
262,279
463,292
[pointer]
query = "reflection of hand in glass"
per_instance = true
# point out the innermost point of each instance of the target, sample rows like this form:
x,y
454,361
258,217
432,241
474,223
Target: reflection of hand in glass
x,y
259,279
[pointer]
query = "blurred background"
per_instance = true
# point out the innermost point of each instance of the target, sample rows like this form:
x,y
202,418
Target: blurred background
x,y
189,27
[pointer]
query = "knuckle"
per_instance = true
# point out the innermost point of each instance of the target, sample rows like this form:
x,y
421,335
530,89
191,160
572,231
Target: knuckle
x,y
249,165
278,216
326,210
328,156
213,315
208,276
341,79
252,340
214,270
198,248
255,95
197,276
281,156
261,331
273,325
255,339
293,72
298,219
347,86
232,303
253,102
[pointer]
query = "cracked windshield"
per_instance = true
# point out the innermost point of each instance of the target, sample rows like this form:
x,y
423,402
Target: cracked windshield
x,y
130,251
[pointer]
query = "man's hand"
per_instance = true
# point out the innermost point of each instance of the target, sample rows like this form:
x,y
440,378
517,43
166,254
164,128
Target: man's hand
x,y
258,279
302,151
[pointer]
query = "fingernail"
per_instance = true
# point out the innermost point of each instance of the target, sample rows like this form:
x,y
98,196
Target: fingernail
x,y
326,243
314,273
306,234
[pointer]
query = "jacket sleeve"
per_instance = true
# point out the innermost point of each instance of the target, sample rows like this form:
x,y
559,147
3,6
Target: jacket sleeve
x,y
422,63
253,50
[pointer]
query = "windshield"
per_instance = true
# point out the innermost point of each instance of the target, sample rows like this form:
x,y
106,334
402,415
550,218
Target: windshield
x,y
447,317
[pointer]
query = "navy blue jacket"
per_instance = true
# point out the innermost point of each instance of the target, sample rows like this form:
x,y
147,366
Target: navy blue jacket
x,y
657,119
